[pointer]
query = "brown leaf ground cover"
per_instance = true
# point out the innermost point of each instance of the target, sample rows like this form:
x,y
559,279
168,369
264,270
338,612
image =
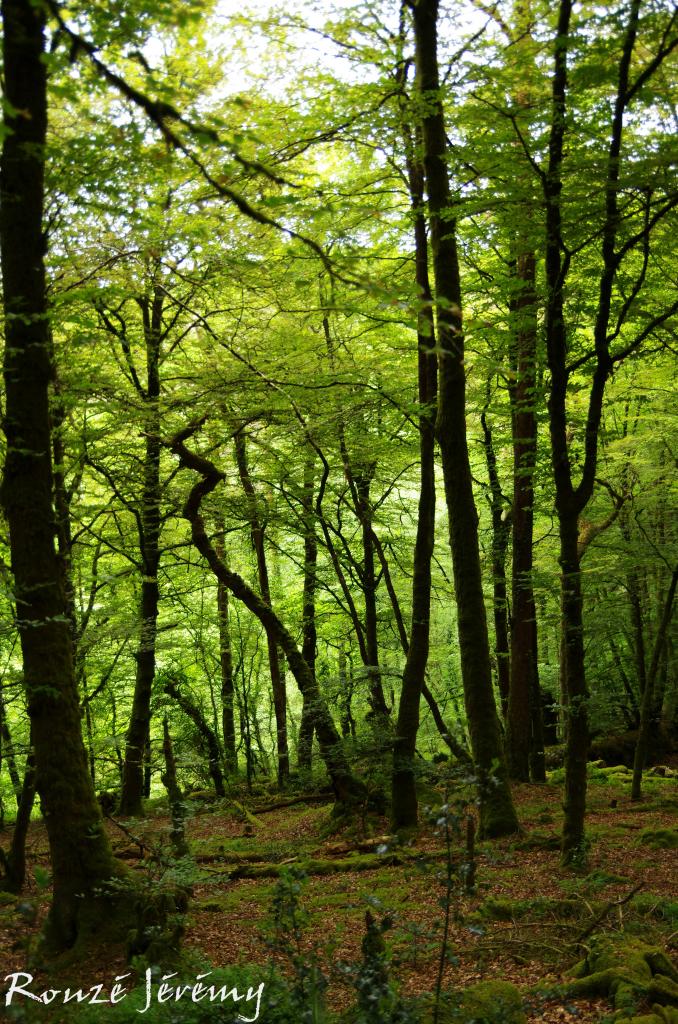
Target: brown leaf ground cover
x,y
526,921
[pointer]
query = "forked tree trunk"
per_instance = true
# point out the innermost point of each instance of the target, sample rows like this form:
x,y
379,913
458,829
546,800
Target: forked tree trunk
x,y
570,500
498,816
81,857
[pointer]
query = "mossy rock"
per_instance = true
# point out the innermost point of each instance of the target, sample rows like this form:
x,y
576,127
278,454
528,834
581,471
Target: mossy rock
x,y
626,974
659,838
659,1015
487,1002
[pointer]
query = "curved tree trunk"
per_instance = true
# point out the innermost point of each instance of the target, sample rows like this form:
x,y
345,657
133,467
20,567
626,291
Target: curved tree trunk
x,y
346,787
257,530
193,712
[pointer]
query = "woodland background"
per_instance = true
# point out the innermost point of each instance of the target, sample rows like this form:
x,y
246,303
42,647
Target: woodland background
x,y
339,465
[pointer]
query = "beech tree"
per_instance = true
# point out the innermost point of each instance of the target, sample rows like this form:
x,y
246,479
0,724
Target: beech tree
x,y
80,853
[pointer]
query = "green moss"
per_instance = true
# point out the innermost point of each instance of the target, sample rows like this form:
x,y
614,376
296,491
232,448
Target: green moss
x,y
651,905
659,838
538,841
488,1002
663,990
626,974
233,898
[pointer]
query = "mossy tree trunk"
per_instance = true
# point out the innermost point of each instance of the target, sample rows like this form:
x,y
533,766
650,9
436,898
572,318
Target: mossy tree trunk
x,y
498,816
174,795
81,857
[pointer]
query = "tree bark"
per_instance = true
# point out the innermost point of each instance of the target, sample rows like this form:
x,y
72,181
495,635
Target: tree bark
x,y
257,530
310,637
174,796
81,856
404,809
571,500
501,532
226,664
647,702
138,733
519,739
498,816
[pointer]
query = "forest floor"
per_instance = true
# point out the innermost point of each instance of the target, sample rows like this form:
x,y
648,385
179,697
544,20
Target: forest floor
x,y
527,920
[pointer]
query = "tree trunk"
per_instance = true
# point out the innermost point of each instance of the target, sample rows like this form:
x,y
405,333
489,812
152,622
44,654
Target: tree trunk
x,y
501,532
138,733
404,808
174,796
81,856
576,713
310,637
14,861
498,816
8,749
378,703
521,710
346,787
226,664
647,701
206,732
257,530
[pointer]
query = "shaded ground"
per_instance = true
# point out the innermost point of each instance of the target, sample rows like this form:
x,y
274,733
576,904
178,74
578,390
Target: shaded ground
x,y
526,922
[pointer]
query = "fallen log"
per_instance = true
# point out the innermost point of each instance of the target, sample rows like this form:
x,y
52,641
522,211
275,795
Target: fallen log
x,y
363,862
